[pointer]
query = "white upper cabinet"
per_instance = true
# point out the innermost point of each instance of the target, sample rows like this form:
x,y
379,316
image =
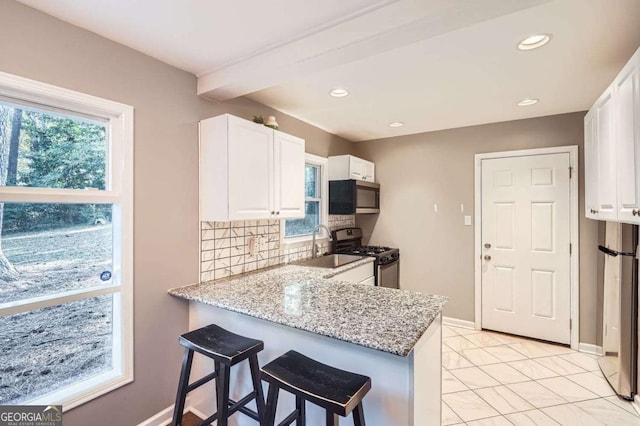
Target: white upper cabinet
x,y
289,176
343,167
368,171
612,149
606,157
590,166
627,102
249,171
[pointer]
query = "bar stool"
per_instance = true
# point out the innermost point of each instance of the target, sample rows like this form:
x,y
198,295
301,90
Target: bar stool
x,y
339,392
226,349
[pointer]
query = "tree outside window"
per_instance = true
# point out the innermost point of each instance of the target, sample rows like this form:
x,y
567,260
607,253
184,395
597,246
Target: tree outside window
x,y
65,271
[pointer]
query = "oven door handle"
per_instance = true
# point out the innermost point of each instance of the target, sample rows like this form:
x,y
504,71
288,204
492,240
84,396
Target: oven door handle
x,y
615,253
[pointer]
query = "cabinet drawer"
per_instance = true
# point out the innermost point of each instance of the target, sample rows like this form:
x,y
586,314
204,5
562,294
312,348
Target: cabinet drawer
x,y
356,275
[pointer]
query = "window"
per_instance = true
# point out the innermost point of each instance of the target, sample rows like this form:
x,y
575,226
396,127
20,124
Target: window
x,y
315,201
66,254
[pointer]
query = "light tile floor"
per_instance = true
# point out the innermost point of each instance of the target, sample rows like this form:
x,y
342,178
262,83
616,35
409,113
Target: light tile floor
x,y
497,379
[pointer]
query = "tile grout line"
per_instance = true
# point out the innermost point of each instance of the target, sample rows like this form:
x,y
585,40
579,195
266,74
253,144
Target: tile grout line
x,y
537,381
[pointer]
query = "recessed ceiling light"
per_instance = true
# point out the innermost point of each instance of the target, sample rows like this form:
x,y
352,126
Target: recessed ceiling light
x,y
528,102
339,93
534,41
396,124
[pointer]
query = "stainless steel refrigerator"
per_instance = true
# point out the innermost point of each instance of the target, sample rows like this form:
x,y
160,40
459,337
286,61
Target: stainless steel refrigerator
x,y
620,308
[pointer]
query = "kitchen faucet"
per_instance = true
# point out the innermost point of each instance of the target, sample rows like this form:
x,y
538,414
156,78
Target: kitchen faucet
x,y
314,246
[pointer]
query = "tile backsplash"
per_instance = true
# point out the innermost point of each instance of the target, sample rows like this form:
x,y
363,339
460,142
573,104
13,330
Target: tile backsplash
x,y
341,221
224,250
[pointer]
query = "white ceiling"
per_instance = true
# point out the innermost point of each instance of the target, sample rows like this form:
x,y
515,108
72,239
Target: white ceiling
x,y
432,64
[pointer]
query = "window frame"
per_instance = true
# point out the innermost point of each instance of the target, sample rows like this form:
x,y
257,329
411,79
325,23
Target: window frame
x,y
118,192
322,164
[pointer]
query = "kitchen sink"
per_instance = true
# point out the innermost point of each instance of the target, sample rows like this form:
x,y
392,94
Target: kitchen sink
x,y
331,260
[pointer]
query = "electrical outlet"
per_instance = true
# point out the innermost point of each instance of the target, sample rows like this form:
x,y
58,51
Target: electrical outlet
x,y
252,246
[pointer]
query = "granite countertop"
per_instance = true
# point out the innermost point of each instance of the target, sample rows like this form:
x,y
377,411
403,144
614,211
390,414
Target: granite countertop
x,y
306,298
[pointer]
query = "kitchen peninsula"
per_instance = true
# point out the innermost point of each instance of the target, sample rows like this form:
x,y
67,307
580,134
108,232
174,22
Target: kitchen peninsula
x,y
392,336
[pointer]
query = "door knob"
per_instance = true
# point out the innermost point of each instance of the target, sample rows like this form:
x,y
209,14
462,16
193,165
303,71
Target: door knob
x,y
487,257
487,245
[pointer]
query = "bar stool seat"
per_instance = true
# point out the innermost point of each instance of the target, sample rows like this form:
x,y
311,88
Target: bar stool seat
x,y
220,344
339,392
226,349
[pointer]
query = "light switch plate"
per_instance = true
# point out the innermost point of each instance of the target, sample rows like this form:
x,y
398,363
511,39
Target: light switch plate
x,y
467,221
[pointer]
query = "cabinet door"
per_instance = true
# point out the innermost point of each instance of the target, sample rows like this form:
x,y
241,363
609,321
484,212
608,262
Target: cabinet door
x,y
604,110
288,176
356,168
627,102
369,281
590,166
250,170
368,171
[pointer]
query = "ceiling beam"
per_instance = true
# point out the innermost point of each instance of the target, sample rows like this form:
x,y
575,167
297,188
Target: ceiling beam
x,y
384,26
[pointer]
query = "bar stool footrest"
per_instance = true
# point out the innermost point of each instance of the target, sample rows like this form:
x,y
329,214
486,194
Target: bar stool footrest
x,y
200,382
290,418
240,406
236,406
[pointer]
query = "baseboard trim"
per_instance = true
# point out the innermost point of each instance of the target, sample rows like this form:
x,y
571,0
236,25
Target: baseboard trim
x,y
636,403
198,412
165,416
455,322
588,348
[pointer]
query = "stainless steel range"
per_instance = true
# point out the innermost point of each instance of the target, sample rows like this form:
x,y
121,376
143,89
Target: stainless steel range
x,y
387,259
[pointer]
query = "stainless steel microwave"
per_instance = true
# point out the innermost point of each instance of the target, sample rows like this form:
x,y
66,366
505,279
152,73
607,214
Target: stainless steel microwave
x,y
353,196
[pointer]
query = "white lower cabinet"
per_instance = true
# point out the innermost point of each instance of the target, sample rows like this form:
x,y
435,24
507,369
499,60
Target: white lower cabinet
x,y
362,274
612,150
369,281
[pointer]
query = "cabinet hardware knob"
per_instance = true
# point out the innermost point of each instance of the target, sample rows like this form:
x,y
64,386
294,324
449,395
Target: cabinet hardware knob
x,y
487,245
273,212
277,212
487,257
635,212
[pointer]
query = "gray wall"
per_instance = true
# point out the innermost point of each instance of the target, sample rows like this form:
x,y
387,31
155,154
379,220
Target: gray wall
x,y
40,47
418,171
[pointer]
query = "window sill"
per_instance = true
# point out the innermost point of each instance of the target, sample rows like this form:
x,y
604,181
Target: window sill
x,y
301,241
79,393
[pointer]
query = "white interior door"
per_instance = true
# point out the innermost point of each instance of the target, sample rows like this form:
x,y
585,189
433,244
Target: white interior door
x,y
525,246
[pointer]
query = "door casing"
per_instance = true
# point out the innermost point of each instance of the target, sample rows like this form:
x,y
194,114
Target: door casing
x,y
573,217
